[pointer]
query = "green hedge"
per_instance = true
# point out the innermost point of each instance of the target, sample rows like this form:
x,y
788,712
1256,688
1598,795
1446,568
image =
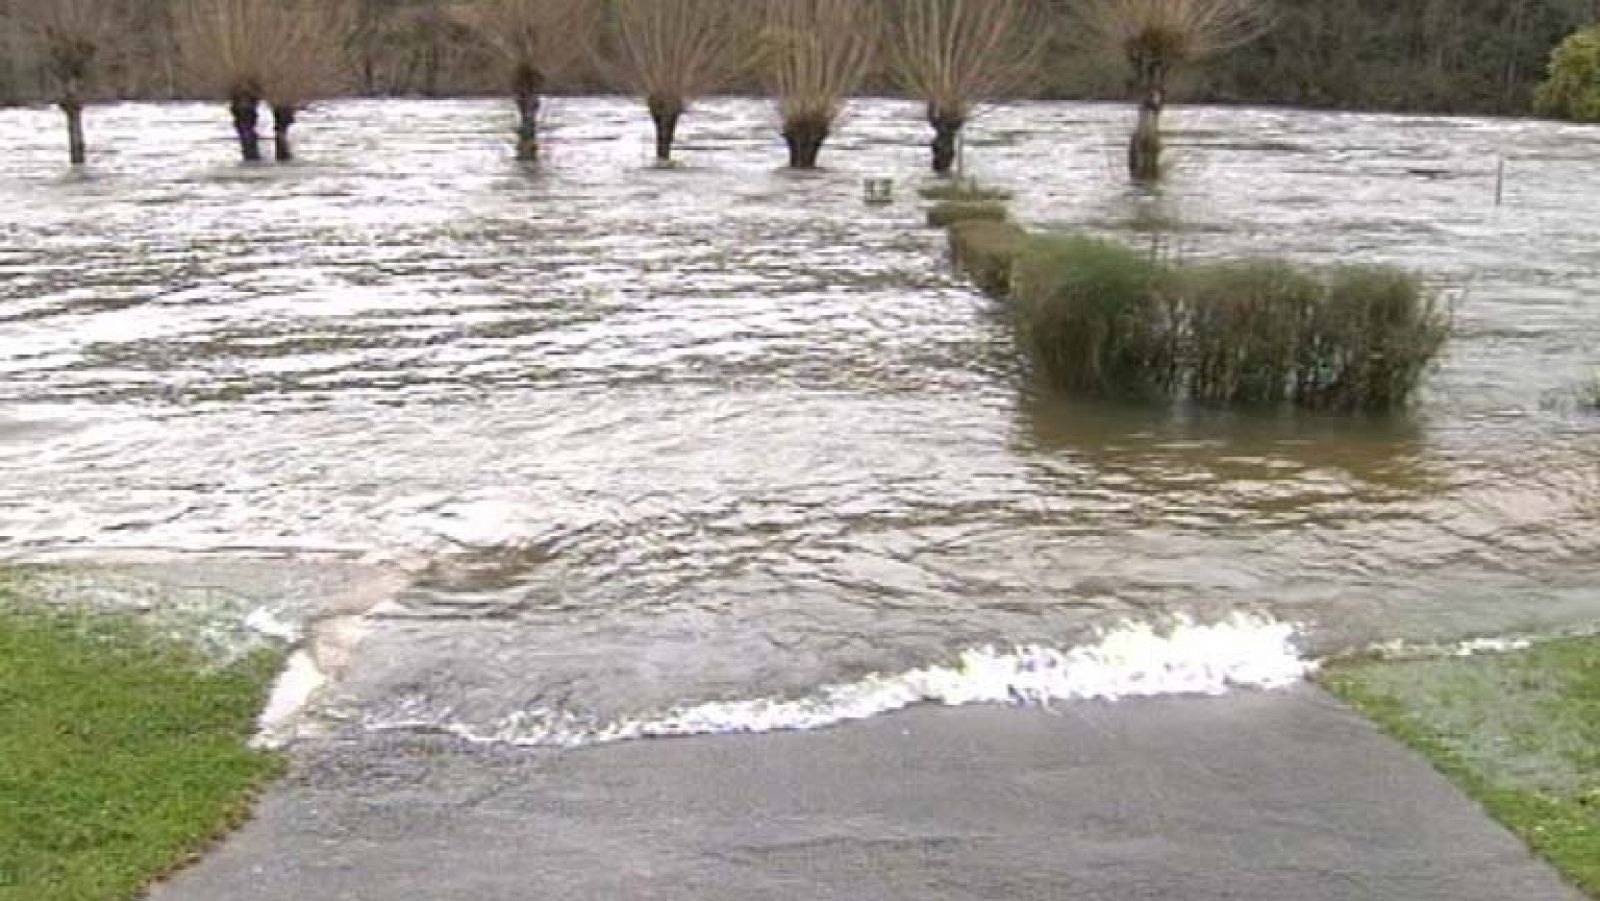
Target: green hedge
x,y
1102,318
987,251
946,214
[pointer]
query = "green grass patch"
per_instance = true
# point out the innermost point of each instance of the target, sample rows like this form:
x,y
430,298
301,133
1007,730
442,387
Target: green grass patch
x,y
1519,732
964,191
987,251
122,753
944,215
1104,319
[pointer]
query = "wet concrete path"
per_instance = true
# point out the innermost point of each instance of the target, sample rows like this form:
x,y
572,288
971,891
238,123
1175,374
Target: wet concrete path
x,y
1258,796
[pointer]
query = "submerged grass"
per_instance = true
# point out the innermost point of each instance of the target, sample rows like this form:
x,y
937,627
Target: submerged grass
x,y
124,753
987,251
964,191
1589,394
1105,319
1519,732
944,215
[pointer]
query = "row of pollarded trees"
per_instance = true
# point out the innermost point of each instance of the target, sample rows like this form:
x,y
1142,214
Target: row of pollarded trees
x,y
812,55
950,55
280,54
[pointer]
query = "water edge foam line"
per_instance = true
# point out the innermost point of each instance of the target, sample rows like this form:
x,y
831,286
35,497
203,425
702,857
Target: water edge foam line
x,y
1133,661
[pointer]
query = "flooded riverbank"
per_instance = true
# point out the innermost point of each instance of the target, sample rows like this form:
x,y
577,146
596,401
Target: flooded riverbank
x,y
642,439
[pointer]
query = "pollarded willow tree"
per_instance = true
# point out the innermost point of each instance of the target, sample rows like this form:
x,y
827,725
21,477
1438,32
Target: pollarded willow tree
x,y
539,42
305,45
673,52
283,53
1158,37
953,55
815,54
74,35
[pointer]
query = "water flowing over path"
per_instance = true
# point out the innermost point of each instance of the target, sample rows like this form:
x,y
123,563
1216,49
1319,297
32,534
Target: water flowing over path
x,y
641,439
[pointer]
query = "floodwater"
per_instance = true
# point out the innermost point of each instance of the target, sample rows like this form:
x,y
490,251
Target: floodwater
x,y
646,438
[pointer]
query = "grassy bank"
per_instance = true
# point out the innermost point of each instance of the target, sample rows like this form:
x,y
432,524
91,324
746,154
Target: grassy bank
x,y
1519,732
122,754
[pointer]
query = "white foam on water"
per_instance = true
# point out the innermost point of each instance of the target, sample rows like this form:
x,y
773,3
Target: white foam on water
x,y
299,681
264,621
1134,661
1411,650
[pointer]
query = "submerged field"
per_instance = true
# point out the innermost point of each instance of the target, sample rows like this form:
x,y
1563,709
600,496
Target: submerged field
x,y
640,439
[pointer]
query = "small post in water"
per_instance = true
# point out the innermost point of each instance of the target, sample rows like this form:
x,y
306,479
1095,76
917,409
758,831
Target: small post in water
x,y
1500,183
880,191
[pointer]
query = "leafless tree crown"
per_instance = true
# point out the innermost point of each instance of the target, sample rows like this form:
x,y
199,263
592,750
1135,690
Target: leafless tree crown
x,y
815,53
674,51
954,54
1170,33
74,34
541,40
286,52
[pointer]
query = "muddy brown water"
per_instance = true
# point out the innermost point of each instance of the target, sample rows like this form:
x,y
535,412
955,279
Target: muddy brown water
x,y
648,437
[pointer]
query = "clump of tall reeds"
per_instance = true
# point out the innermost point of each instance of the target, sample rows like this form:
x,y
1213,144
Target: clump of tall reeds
x,y
74,35
1157,38
1094,315
284,53
814,54
952,55
948,213
673,52
1374,335
1244,325
1105,319
987,251
538,43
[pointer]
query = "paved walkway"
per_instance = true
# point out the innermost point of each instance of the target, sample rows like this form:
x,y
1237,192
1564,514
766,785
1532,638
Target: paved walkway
x,y
1283,797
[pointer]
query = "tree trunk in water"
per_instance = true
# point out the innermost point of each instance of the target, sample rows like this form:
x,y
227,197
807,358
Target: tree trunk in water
x,y
805,138
1144,152
77,147
665,114
526,88
246,117
946,143
283,119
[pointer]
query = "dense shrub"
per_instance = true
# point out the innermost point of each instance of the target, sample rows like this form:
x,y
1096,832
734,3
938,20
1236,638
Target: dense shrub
x,y
987,251
1104,319
964,191
946,214
1572,90
1245,327
1093,314
1373,336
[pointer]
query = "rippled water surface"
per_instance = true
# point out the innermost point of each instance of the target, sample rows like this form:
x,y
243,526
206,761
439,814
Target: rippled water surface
x,y
653,437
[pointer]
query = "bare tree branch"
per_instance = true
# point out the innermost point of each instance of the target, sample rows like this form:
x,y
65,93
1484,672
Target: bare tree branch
x,y
814,54
1157,37
539,43
954,54
75,36
285,53
672,52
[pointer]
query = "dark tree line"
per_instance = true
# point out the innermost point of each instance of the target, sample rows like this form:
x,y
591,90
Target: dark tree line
x,y
1452,56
